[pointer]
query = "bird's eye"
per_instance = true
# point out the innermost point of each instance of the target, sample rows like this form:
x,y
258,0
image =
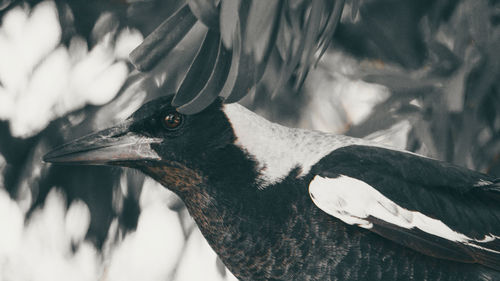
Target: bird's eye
x,y
173,120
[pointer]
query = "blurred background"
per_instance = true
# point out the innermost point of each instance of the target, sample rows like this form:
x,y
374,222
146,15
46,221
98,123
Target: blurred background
x,y
418,75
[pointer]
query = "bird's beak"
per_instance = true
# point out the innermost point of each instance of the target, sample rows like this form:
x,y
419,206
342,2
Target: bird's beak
x,y
114,145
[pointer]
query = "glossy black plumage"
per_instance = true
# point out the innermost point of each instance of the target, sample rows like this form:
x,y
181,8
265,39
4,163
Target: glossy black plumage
x,y
275,231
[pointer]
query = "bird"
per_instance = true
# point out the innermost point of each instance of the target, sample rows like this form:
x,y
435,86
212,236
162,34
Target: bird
x,y
280,203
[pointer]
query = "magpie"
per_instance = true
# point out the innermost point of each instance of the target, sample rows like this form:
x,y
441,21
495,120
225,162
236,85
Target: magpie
x,y
279,203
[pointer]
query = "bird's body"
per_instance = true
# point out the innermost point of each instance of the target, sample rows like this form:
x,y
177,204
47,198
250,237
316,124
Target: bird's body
x,y
297,241
277,203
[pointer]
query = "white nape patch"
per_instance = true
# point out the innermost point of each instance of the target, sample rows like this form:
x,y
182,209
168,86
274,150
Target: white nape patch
x,y
278,149
353,201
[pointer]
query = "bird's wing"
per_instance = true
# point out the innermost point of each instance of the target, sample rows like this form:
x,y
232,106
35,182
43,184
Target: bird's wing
x,y
430,206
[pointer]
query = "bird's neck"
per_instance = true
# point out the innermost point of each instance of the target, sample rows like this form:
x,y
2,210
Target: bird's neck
x,y
276,149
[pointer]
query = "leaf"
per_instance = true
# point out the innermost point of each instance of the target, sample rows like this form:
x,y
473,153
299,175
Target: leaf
x,y
284,40
163,39
355,9
242,73
228,21
287,68
295,49
206,11
213,86
200,70
310,35
333,19
261,23
265,44
401,83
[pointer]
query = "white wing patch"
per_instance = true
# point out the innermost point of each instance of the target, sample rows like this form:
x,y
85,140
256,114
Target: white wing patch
x,y
353,201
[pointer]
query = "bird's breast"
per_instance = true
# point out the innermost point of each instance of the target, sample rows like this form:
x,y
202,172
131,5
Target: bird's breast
x,y
296,241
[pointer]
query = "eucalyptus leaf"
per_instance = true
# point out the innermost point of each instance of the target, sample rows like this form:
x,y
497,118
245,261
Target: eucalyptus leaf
x,y
200,70
261,22
228,21
206,11
244,75
213,86
163,39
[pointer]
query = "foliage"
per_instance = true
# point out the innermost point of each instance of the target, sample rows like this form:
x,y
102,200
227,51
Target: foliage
x,y
431,63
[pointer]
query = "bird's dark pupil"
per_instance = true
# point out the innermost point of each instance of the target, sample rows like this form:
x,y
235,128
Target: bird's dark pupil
x,y
173,120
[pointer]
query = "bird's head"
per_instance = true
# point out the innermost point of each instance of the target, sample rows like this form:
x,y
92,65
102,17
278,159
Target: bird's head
x,y
180,151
